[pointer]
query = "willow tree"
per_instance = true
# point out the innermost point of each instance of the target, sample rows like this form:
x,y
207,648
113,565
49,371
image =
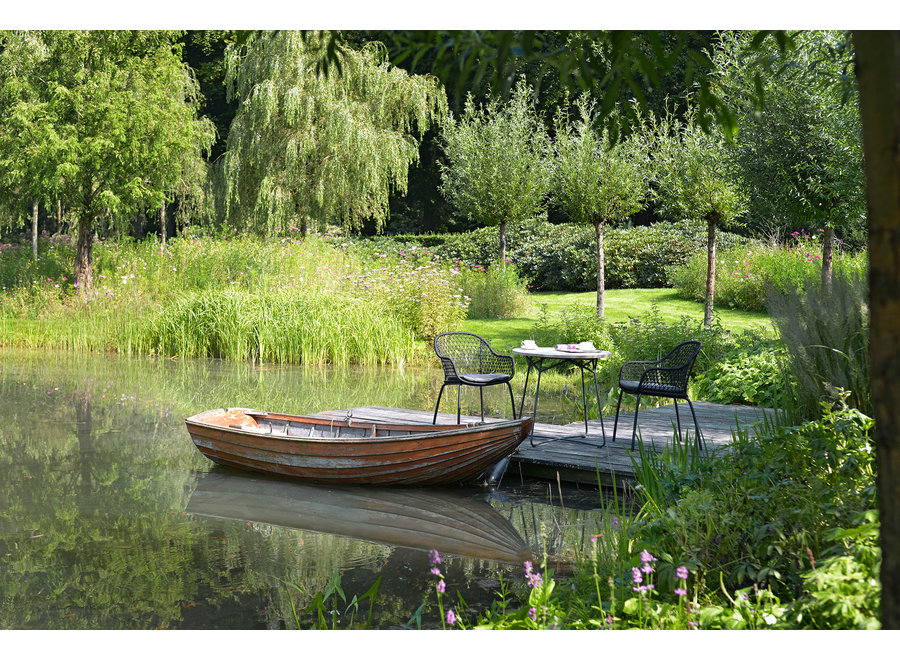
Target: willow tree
x,y
695,182
597,181
311,149
117,111
497,168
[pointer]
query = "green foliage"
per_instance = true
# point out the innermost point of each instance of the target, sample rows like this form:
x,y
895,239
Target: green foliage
x,y
844,591
330,601
800,154
279,327
497,169
753,374
596,181
693,179
310,149
116,116
826,331
762,511
418,289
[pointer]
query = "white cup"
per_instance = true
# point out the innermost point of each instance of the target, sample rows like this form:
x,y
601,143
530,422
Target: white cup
x,y
586,346
529,344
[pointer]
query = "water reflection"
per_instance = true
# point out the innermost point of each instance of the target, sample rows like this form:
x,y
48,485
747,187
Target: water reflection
x,y
102,489
422,519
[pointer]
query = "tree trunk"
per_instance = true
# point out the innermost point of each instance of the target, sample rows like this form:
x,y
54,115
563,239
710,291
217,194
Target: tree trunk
x,y
710,270
503,244
34,228
827,257
84,256
601,271
162,223
878,74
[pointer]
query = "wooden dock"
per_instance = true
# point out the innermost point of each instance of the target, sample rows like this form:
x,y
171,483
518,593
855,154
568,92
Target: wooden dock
x,y
565,453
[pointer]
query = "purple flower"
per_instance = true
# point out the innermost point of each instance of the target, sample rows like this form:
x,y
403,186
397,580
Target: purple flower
x,y
680,592
532,614
451,617
435,570
434,557
646,556
528,568
636,576
535,580
682,572
441,586
647,568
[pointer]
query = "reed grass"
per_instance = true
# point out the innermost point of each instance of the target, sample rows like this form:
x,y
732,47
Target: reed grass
x,y
283,300
826,332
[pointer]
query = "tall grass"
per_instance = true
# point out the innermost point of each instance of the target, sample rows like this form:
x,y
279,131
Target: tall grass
x,y
279,327
284,299
495,292
827,337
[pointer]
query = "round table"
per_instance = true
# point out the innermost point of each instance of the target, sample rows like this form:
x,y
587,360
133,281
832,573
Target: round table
x,y
542,359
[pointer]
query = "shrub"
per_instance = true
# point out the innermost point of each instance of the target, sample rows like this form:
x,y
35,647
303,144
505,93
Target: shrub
x,y
562,257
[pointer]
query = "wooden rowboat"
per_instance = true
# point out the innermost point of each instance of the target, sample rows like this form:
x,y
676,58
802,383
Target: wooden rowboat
x,y
330,449
422,519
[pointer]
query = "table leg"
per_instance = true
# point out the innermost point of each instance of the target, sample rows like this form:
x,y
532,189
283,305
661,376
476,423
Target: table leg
x,y
525,389
584,401
599,408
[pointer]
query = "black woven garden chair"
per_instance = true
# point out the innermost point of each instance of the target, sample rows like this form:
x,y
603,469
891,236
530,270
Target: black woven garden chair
x,y
469,360
666,377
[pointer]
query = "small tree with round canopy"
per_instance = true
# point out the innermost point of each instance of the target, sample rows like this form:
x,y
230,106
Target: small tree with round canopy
x,y
595,181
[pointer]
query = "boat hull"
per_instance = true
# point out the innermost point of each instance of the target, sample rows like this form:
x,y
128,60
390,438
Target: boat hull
x,y
326,449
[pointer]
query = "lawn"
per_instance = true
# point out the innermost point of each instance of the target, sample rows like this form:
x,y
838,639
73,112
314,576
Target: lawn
x,y
621,305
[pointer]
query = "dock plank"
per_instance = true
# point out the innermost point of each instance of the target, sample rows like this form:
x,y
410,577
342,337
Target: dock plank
x,y
565,452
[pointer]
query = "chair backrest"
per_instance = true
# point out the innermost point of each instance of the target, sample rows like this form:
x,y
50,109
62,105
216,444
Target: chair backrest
x,y
464,352
681,360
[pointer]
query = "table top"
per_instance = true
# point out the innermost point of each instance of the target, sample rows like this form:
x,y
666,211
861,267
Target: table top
x,y
551,352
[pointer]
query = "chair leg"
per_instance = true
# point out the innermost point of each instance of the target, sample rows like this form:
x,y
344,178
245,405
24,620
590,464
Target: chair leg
x,y
616,423
696,426
458,400
438,404
634,428
512,400
481,399
677,418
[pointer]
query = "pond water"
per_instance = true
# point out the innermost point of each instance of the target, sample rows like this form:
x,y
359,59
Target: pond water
x,y
111,519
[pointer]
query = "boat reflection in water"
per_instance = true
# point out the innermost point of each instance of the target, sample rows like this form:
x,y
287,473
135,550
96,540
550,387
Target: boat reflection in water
x,y
422,519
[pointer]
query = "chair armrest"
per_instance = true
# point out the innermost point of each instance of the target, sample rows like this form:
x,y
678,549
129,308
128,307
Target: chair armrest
x,y
634,369
657,376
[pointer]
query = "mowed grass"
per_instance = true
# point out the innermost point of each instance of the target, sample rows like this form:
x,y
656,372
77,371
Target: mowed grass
x,y
620,305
